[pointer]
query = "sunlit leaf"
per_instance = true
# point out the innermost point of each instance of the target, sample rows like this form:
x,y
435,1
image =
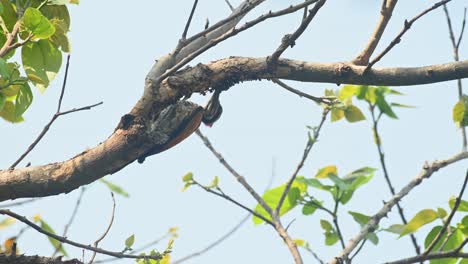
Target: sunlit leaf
x,y
453,242
129,241
325,171
55,243
422,218
272,197
463,207
37,24
353,114
115,188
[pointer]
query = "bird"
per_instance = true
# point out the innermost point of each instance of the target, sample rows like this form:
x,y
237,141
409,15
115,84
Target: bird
x,y
213,109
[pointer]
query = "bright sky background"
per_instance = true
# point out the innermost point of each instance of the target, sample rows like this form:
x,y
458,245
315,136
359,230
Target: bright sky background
x,y
262,130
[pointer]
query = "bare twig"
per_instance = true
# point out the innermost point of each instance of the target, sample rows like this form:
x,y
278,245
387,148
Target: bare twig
x,y
319,100
289,40
309,145
383,163
238,177
230,199
229,4
73,243
449,218
316,257
230,232
72,218
107,229
9,205
426,172
189,20
385,14
455,46
52,120
406,27
189,57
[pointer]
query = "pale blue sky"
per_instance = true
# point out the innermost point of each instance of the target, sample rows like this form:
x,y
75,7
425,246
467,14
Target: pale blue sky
x,y
113,47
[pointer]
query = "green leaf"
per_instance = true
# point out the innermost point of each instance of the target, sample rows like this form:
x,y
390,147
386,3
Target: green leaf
x,y
361,219
310,207
331,237
129,241
353,114
464,225
347,92
9,14
2,101
402,105
41,62
23,100
442,213
337,114
9,113
214,183
372,237
383,106
422,218
55,243
327,226
341,184
396,229
463,207
272,197
4,72
60,38
458,111
324,172
37,24
453,242
115,188
188,177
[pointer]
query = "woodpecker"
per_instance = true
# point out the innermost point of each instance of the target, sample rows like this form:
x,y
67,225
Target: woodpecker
x,y
213,109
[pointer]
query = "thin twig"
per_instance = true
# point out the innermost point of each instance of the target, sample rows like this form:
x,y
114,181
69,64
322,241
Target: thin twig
x,y
426,172
406,27
319,100
140,249
230,232
386,12
9,205
238,177
107,229
335,222
72,218
73,243
188,58
189,20
358,250
309,145
229,4
52,120
449,218
383,163
289,40
455,46
319,260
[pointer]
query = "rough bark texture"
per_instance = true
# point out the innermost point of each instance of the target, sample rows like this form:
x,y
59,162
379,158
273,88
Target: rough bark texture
x,y
35,260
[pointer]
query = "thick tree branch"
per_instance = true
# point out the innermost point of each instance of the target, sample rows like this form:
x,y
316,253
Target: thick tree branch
x,y
35,260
